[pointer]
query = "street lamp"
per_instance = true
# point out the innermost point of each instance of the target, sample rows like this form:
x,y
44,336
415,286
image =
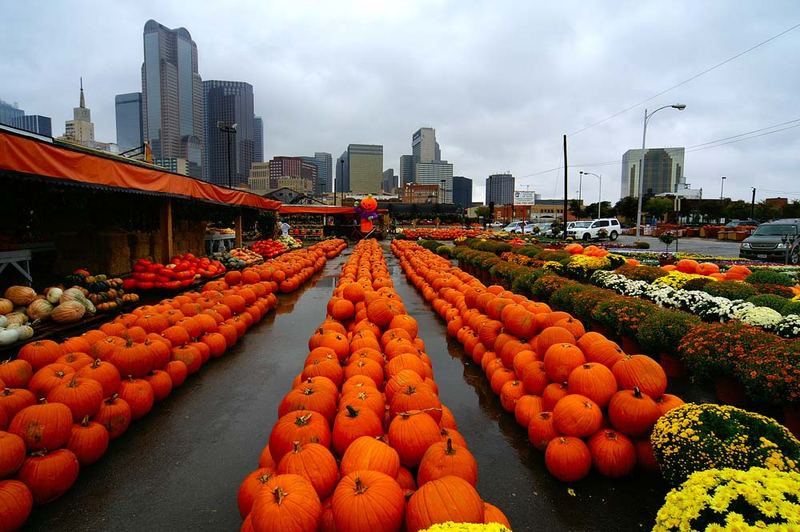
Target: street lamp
x,y
228,130
722,187
599,190
647,116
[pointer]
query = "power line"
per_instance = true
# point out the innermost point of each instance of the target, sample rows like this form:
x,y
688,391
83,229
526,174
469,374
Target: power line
x,y
696,147
684,82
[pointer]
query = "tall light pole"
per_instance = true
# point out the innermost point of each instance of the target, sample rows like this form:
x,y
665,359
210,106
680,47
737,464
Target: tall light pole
x,y
722,187
647,116
228,130
599,190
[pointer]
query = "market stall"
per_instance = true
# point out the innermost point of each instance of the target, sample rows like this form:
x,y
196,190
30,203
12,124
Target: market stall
x,y
315,222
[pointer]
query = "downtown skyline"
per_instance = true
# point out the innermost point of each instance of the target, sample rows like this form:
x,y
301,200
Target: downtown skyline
x,y
490,112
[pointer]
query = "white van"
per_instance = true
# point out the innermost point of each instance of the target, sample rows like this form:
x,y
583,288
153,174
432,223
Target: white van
x,y
590,229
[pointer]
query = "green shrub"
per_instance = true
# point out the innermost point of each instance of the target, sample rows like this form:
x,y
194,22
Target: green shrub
x,y
767,276
554,255
522,283
430,245
545,285
697,284
444,251
768,300
623,315
641,245
529,251
563,298
791,307
730,289
641,273
776,289
586,301
663,330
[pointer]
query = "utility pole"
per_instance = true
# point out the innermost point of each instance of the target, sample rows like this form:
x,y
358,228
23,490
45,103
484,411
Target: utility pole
x,y
566,186
753,203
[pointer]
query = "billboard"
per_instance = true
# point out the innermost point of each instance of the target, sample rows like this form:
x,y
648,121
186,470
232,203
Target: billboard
x,y
524,197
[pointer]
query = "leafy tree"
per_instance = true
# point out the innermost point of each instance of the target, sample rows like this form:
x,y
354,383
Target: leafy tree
x,y
736,210
483,210
791,210
765,211
626,208
606,210
658,207
576,209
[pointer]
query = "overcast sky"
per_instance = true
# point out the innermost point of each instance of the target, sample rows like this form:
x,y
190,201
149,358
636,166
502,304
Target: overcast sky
x,y
501,81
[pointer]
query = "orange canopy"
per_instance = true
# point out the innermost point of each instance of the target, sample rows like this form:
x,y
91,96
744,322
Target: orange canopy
x,y
32,156
316,209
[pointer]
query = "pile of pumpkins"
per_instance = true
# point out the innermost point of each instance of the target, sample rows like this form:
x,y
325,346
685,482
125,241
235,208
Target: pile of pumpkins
x,y
21,305
583,401
62,403
362,442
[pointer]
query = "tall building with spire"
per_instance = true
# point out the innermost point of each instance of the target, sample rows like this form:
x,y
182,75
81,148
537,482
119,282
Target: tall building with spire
x,y
172,97
80,129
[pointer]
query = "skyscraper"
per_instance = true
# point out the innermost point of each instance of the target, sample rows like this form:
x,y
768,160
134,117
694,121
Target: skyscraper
x,y
439,173
663,171
423,145
13,116
128,109
324,163
389,182
500,189
9,112
462,191
258,140
172,96
229,103
343,173
406,169
365,168
80,129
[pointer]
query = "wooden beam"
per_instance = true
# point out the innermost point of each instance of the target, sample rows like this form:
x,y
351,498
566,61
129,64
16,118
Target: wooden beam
x,y
238,229
165,231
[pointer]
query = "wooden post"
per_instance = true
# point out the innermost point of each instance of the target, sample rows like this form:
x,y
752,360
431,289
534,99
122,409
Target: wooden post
x,y
238,229
166,231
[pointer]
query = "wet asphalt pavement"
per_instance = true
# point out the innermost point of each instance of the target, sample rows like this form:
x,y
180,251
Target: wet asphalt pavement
x,y
180,467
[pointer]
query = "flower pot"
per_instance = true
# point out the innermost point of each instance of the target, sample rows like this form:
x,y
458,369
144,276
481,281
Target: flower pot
x,y
673,366
598,327
729,391
791,419
630,345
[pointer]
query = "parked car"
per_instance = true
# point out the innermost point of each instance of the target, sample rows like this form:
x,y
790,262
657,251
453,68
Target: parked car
x,y
591,229
517,227
496,224
734,224
774,241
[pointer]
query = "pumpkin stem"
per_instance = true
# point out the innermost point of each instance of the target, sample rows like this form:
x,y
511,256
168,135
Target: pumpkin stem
x,y
265,478
410,390
129,341
308,391
302,420
74,382
96,363
360,488
351,412
112,399
85,421
637,393
39,453
296,446
6,392
279,494
449,449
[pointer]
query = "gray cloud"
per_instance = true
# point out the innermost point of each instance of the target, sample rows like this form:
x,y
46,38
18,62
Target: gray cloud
x,y
500,81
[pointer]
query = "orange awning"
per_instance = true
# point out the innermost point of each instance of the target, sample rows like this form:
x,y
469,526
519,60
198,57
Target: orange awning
x,y
31,156
316,209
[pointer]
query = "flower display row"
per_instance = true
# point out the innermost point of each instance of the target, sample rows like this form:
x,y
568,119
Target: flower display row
x,y
699,303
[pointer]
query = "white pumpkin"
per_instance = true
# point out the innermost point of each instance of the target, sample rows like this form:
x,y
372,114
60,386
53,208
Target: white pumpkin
x,y
53,295
9,336
25,332
75,294
3,321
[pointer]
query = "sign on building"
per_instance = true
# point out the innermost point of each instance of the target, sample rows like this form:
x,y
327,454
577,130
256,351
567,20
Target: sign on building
x,y
524,197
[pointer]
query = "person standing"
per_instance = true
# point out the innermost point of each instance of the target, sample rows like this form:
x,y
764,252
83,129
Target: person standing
x,y
285,228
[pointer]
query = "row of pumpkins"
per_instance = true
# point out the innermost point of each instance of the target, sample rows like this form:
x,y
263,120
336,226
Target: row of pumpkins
x,y
583,401
362,442
21,305
61,404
